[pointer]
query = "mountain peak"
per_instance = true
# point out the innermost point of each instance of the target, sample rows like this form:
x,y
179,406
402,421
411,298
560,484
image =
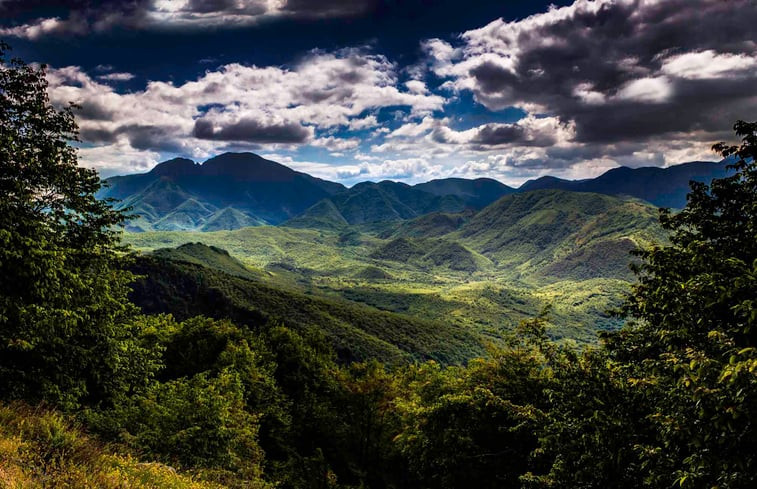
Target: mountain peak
x,y
175,167
247,166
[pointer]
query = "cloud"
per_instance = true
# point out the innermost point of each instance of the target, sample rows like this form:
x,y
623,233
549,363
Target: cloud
x,y
117,77
333,143
85,17
311,103
601,83
411,170
617,69
46,27
327,8
430,133
709,64
117,159
253,131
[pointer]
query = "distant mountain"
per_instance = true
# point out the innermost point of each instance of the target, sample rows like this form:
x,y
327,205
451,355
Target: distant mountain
x,y
226,192
663,187
237,190
476,193
370,202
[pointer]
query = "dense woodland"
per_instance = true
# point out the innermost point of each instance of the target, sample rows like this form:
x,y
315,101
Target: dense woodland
x,y
98,392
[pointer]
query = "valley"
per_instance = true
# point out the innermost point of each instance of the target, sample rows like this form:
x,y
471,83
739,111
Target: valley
x,y
484,270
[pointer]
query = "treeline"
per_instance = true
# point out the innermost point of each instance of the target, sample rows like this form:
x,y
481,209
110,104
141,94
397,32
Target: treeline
x,y
670,400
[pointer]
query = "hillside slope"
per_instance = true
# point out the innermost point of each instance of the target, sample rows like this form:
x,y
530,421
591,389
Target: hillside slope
x,y
562,234
171,283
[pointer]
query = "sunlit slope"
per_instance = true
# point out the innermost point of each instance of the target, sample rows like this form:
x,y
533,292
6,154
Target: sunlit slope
x,y
562,234
174,284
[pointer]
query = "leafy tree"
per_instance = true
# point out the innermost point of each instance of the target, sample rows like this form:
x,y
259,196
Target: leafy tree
x,y
474,426
67,332
693,347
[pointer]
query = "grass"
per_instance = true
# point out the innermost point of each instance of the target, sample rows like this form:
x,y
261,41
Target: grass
x,y
40,448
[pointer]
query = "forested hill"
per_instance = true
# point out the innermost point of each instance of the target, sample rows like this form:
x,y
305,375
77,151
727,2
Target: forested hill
x,y
195,279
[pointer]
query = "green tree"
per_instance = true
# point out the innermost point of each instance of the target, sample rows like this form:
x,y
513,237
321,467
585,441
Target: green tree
x,y
474,426
67,331
693,346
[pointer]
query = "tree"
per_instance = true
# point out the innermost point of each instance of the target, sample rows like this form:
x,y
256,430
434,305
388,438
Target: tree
x,y
67,331
693,346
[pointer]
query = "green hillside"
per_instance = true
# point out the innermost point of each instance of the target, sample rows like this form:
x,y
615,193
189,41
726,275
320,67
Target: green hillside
x,y
431,225
400,250
532,233
207,256
172,283
323,215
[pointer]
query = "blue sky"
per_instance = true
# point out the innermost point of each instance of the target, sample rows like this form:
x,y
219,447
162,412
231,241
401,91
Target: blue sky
x,y
354,90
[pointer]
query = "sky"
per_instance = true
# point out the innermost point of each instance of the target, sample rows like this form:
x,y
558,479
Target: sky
x,y
408,90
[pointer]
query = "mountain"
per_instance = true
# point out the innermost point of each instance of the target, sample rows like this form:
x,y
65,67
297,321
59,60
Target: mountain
x,y
663,187
236,190
476,193
226,192
370,202
562,234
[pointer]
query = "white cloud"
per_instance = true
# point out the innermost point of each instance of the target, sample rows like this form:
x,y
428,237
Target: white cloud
x,y
118,159
359,123
117,77
652,90
709,64
276,106
336,144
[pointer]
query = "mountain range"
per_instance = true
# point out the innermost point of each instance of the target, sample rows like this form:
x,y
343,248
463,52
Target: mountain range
x,y
236,190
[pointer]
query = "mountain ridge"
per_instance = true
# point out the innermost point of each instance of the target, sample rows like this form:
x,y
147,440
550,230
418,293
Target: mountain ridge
x,y
235,190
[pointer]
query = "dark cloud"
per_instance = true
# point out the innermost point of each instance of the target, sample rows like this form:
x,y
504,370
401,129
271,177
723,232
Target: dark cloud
x,y
154,138
212,6
252,131
84,16
328,8
93,111
335,93
97,136
495,134
603,51
141,137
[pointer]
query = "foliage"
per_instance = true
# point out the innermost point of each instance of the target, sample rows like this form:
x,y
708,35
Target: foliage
x,y
695,340
670,399
66,329
472,427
